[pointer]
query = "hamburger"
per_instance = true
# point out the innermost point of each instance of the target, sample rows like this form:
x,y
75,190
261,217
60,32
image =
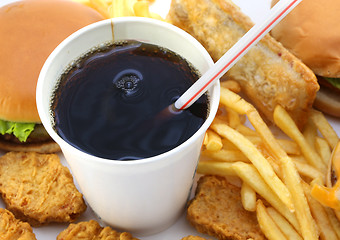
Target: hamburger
x,y
312,33
30,30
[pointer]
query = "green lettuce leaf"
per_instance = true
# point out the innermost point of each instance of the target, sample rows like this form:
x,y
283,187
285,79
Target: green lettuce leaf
x,y
20,130
334,81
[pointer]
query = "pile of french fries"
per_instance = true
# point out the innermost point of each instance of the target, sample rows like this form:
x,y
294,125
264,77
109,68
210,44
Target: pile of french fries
x,y
122,8
276,166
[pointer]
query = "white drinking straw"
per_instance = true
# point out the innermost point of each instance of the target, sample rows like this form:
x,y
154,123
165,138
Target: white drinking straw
x,y
241,47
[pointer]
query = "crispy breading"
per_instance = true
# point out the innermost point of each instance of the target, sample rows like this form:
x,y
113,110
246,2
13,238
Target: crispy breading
x,y
92,230
12,228
191,237
217,210
38,189
269,74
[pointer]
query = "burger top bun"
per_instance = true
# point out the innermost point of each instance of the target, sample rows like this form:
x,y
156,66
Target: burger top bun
x,y
30,30
311,32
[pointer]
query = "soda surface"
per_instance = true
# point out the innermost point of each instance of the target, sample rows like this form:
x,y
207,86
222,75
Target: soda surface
x,y
109,102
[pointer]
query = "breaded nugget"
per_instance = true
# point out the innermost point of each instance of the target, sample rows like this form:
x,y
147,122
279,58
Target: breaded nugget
x,y
38,189
217,210
12,228
269,74
92,230
191,237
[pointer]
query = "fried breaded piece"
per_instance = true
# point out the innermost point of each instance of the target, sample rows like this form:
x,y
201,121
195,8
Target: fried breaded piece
x,y
268,73
12,228
92,230
190,237
38,189
217,210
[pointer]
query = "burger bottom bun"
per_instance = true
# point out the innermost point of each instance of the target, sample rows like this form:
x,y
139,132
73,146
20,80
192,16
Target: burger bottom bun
x,y
44,147
328,101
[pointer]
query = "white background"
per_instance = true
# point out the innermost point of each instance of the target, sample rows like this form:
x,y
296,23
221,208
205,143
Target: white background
x,y
256,9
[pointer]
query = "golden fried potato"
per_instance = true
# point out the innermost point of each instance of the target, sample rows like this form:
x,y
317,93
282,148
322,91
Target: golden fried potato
x,y
190,237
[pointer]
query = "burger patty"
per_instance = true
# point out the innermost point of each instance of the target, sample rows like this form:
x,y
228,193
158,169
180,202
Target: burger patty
x,y
325,84
38,135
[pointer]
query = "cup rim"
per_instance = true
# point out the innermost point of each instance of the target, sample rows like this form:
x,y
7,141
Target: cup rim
x,y
46,118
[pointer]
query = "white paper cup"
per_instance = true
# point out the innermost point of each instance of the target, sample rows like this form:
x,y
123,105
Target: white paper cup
x,y
142,196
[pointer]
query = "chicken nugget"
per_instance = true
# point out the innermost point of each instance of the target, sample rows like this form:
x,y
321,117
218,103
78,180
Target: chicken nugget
x,y
12,228
38,189
217,210
92,230
191,237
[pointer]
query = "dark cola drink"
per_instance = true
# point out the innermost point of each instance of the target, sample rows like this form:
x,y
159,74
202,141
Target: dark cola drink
x,y
110,102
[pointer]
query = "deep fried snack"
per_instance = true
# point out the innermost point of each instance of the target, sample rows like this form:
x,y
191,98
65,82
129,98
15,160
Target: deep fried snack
x,y
269,74
38,189
191,237
92,230
268,226
217,210
12,228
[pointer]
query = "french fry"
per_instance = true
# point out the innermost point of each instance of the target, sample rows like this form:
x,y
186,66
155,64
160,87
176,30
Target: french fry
x,y
141,9
222,114
231,85
234,101
227,145
299,158
248,197
325,128
226,155
101,6
205,139
267,225
310,132
214,141
246,131
320,216
323,149
283,224
251,176
233,118
255,139
287,125
261,164
293,181
308,171
122,8
333,220
215,168
290,147
275,166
